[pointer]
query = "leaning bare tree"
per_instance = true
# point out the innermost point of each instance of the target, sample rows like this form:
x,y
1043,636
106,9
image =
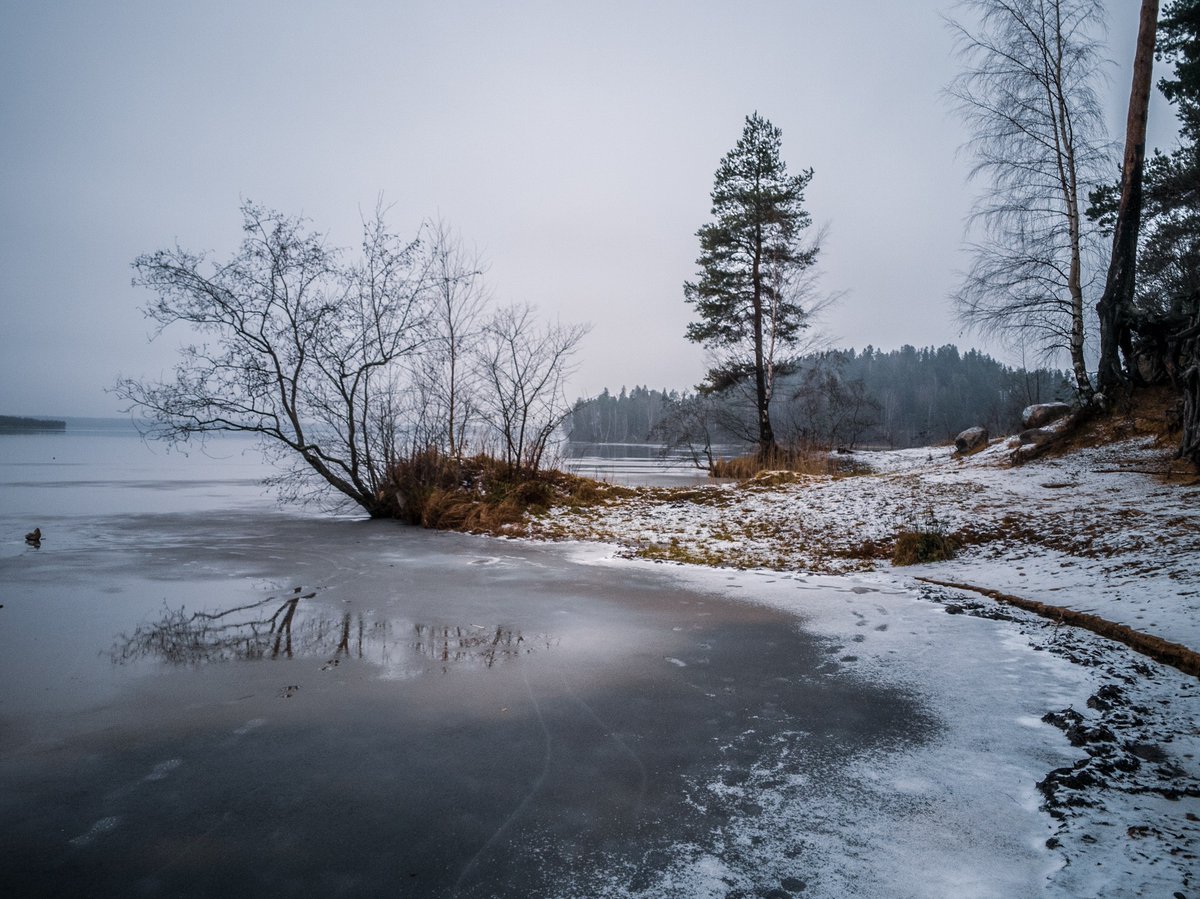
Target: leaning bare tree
x,y
1028,92
295,344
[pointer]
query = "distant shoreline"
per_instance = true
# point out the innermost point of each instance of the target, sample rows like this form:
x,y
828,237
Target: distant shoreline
x,y
17,423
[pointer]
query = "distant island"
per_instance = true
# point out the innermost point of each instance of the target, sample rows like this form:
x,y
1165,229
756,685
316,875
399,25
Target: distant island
x,y
15,423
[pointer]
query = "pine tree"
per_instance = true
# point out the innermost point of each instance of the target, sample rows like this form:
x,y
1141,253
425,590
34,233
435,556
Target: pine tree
x,y
1116,302
1167,308
752,264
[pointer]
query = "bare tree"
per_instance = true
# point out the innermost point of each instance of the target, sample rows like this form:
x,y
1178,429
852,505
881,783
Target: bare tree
x,y
443,378
690,425
826,409
1028,90
294,345
522,366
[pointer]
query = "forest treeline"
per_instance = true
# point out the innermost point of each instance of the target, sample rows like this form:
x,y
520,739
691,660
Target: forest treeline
x,y
18,423
894,398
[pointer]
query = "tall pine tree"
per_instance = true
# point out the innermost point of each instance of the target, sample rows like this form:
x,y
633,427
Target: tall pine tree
x,y
752,264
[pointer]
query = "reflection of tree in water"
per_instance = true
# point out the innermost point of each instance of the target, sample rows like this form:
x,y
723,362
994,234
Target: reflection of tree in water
x,y
477,643
263,629
271,629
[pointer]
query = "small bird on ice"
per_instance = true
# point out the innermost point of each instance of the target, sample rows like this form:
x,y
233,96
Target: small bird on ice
x,y
34,537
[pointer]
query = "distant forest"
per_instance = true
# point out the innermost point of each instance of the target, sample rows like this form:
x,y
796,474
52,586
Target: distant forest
x,y
17,423
898,398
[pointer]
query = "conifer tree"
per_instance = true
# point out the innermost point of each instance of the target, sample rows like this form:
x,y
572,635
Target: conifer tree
x,y
752,268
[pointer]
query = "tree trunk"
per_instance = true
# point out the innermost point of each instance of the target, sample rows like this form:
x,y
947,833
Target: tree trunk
x,y
1069,180
1075,273
1116,303
1189,384
762,400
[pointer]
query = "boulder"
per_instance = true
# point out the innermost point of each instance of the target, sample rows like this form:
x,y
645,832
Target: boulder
x,y
971,440
1150,367
1036,436
1041,414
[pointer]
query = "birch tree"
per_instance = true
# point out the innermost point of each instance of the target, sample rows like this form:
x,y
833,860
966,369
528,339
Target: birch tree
x,y
1028,92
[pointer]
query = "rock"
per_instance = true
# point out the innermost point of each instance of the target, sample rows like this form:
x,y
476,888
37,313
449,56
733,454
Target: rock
x,y
1040,414
1150,368
971,440
1036,436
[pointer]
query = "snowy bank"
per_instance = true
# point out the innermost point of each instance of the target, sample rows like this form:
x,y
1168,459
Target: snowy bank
x,y
1100,530
1105,530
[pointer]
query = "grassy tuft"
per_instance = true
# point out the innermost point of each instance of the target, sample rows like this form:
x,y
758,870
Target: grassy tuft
x,y
482,495
920,546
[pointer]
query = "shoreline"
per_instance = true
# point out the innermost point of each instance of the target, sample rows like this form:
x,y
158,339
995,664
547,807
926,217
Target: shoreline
x,y
1095,531
1128,798
1100,534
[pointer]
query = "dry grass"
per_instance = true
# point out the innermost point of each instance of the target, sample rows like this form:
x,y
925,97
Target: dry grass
x,y
866,550
674,551
918,547
696,496
1145,412
483,496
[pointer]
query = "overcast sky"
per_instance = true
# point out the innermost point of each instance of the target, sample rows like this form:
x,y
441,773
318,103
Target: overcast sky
x,y
573,143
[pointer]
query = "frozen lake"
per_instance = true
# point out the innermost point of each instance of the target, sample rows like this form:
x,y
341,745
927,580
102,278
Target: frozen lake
x,y
635,463
203,694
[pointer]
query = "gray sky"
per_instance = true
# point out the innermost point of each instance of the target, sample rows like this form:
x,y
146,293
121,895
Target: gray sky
x,y
573,143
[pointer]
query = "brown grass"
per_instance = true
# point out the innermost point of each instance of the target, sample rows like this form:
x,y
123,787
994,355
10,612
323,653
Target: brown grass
x,y
918,547
1144,412
866,550
697,496
482,495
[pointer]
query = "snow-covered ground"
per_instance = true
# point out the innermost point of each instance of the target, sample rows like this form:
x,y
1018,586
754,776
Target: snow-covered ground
x,y
1107,530
1099,530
